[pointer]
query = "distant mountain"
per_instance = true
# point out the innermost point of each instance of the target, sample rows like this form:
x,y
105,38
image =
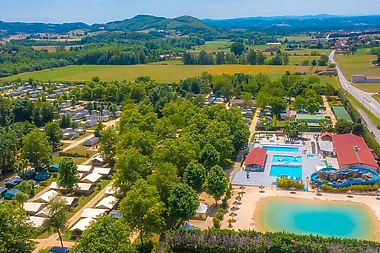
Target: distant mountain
x,y
185,24
310,22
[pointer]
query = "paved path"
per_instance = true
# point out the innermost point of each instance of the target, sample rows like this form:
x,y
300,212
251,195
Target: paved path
x,y
252,127
364,98
73,144
329,112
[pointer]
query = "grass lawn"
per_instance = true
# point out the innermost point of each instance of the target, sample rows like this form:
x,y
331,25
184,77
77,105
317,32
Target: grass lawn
x,y
173,62
368,87
295,38
84,136
357,64
77,160
215,46
308,51
64,145
82,150
377,97
297,59
161,73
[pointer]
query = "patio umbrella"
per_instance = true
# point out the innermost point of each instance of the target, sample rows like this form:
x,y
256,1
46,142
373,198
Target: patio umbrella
x,y
319,191
349,193
292,189
261,188
242,187
378,195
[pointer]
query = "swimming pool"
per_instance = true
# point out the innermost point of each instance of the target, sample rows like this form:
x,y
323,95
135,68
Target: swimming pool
x,y
281,170
286,159
281,148
325,218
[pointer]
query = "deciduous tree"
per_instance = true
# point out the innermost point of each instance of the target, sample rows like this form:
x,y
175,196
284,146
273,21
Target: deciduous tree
x,y
54,133
37,149
141,208
68,174
109,139
183,201
217,183
342,126
57,216
195,176
209,156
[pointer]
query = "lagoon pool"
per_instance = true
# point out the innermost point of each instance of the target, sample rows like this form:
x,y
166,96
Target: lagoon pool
x,y
281,170
323,218
286,159
281,148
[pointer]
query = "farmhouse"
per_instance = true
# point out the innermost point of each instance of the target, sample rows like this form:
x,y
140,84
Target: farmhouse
x,y
351,150
255,160
365,79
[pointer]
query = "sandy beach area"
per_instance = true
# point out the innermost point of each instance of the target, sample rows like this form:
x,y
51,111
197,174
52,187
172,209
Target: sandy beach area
x,y
252,198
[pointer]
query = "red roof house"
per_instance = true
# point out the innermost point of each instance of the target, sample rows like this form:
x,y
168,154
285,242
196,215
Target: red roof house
x,y
352,150
256,157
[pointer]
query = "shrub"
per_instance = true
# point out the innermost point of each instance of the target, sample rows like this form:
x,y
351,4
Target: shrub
x,y
288,183
69,154
216,222
99,186
220,213
224,204
359,187
43,183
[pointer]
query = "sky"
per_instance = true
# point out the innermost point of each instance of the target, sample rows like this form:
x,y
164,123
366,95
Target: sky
x,y
102,11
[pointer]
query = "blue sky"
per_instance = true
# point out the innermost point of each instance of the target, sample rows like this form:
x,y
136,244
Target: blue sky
x,y
100,11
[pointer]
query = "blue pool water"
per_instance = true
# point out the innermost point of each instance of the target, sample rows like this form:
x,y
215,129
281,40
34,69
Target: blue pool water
x,y
281,149
286,159
280,170
316,217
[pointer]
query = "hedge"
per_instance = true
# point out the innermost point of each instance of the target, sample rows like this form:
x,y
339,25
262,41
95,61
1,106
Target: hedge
x,y
87,155
284,182
371,141
361,188
223,241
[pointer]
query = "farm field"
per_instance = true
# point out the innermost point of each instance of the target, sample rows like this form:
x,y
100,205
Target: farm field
x,y
367,87
297,60
224,45
295,38
307,51
377,97
50,48
161,73
357,64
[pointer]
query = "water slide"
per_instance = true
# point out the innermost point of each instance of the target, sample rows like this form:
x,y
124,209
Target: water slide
x,y
348,182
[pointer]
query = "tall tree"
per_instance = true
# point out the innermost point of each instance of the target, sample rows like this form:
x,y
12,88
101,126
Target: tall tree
x,y
195,176
217,183
21,167
37,149
164,177
237,48
130,166
209,156
141,208
325,124
109,139
106,235
342,126
16,231
183,201
57,216
8,149
54,133
278,105
266,122
302,126
68,175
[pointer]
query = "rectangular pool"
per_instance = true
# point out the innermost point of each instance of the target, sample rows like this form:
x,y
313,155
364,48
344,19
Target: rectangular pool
x,y
281,148
286,159
281,170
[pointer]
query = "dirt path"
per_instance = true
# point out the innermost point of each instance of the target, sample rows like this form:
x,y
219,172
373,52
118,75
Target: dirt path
x,y
252,127
329,112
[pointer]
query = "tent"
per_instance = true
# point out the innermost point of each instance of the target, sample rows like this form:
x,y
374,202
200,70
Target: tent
x,y
32,208
92,178
111,190
54,168
115,214
47,196
78,228
107,203
13,182
11,194
57,249
102,171
92,212
202,211
42,176
187,226
3,191
84,168
36,221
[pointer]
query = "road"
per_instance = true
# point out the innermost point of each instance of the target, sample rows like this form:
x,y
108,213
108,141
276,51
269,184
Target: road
x,y
76,143
364,98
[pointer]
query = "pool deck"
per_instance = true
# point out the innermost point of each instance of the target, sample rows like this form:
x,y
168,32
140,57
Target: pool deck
x,y
264,178
244,214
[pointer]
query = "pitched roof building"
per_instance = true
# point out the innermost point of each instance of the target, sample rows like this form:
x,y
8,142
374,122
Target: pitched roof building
x,y
351,150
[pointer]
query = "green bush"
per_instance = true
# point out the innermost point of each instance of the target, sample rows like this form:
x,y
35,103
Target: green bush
x,y
274,120
43,183
288,183
69,154
362,188
216,222
220,213
224,204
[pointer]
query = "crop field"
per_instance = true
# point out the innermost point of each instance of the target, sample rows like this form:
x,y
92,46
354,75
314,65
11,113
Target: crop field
x,y
357,64
368,87
307,51
297,60
50,48
224,45
161,73
295,38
